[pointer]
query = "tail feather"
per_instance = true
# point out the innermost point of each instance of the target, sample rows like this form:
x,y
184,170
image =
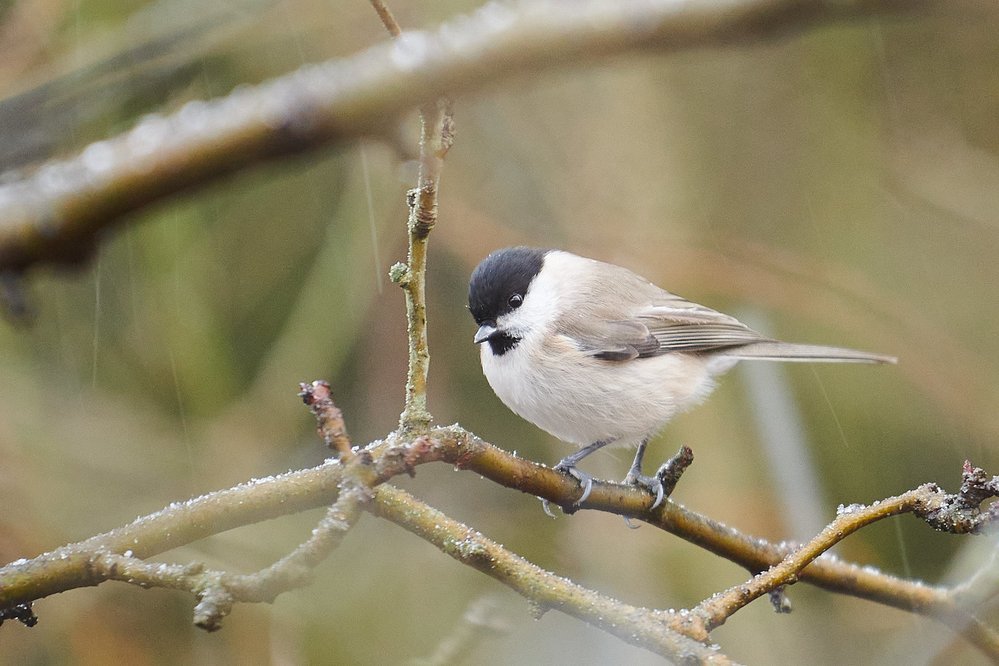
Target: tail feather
x,y
789,351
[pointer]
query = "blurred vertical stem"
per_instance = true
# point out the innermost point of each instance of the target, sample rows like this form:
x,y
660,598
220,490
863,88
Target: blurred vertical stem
x,y
436,137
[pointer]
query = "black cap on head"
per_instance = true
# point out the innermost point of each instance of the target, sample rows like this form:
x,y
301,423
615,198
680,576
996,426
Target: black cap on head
x,y
498,277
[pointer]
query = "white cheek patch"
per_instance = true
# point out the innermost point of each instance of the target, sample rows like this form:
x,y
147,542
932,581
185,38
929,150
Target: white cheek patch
x,y
541,302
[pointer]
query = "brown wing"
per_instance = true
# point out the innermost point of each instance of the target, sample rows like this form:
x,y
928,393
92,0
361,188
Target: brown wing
x,y
664,323
613,340
668,324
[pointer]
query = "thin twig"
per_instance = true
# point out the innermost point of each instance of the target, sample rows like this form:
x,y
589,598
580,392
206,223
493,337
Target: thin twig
x,y
983,585
291,571
388,20
436,137
329,419
216,590
436,134
721,606
958,514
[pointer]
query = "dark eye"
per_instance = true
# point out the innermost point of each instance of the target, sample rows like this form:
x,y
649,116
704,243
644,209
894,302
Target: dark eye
x,y
515,301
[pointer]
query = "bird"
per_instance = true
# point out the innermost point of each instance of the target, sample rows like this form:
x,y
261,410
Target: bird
x,y
595,354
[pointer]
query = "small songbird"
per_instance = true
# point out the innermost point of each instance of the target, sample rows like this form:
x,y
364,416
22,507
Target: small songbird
x,y
595,354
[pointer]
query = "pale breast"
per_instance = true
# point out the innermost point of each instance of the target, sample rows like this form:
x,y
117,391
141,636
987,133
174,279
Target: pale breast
x,y
581,400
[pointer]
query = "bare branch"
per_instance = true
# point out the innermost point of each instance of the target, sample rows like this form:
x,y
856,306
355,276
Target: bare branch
x,y
70,566
291,571
958,513
436,137
720,607
56,214
640,626
329,418
217,591
388,20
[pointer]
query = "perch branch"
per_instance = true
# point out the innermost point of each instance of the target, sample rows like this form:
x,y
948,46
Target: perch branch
x,y
57,213
69,567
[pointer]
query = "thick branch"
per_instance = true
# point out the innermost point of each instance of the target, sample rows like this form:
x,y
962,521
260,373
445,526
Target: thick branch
x,y
640,626
68,567
217,591
56,214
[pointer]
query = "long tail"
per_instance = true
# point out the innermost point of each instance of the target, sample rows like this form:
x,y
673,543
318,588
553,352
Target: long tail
x,y
789,351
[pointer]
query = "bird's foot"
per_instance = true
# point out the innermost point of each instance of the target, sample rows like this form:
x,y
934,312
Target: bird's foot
x,y
654,484
569,468
662,484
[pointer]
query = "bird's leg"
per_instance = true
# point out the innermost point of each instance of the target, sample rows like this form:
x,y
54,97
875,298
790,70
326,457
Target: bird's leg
x,y
666,477
568,466
653,484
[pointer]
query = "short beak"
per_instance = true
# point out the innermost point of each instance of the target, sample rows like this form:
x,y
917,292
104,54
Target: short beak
x,y
485,332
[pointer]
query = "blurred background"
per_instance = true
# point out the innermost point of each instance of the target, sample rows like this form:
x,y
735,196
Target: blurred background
x,y
837,186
